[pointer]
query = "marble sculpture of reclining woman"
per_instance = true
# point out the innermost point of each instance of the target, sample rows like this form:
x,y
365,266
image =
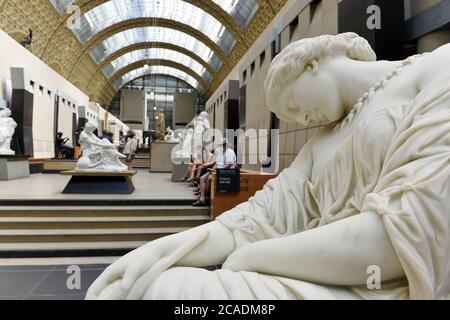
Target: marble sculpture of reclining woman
x,y
372,188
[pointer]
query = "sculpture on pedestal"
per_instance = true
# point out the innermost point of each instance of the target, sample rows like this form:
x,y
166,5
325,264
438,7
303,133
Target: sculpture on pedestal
x,y
98,155
370,191
7,128
160,125
170,137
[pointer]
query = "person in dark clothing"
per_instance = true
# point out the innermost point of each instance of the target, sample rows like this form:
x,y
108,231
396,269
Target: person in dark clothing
x,y
63,150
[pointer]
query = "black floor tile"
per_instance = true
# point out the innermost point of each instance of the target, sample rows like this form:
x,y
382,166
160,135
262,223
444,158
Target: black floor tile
x,y
55,284
14,284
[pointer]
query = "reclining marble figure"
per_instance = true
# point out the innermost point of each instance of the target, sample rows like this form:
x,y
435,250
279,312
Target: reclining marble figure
x,y
98,155
7,128
371,189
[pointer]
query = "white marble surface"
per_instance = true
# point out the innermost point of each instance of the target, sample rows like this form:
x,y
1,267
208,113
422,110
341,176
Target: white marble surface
x,y
7,128
98,155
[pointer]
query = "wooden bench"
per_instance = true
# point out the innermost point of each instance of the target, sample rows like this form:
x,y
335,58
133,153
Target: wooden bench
x,y
250,182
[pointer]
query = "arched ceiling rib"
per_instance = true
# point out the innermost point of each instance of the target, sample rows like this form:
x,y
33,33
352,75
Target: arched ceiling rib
x,y
145,45
219,9
155,71
154,74
155,54
152,35
144,22
156,63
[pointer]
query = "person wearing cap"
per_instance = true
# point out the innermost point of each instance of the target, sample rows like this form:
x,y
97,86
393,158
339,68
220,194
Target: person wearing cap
x,y
225,159
130,149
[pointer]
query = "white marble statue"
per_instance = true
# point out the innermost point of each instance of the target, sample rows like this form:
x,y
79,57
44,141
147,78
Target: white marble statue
x,y
369,193
98,155
202,135
170,137
185,146
7,128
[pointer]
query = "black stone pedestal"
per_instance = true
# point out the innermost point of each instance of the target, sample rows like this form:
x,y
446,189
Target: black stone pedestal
x,y
99,182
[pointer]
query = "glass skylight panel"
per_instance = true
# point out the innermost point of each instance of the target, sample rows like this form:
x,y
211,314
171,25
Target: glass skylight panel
x,y
154,34
61,5
242,11
116,11
156,54
163,70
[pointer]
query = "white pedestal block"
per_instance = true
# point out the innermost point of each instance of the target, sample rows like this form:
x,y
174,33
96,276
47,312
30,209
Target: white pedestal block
x,y
14,167
161,158
179,171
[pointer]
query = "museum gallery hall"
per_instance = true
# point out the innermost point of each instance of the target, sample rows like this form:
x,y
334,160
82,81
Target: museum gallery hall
x,y
224,149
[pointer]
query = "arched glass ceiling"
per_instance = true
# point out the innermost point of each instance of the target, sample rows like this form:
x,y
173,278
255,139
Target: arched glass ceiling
x,y
116,11
156,54
154,34
242,11
158,70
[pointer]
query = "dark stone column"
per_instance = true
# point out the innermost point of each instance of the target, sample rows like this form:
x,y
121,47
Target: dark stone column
x,y
22,113
56,123
389,41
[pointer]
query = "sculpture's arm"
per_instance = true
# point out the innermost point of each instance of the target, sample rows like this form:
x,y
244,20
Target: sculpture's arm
x,y
335,254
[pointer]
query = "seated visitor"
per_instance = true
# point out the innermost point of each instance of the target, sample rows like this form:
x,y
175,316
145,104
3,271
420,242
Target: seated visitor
x,y
209,161
225,159
371,190
197,169
130,149
63,150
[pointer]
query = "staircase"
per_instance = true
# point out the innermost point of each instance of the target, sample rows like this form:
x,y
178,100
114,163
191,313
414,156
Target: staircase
x,y
102,228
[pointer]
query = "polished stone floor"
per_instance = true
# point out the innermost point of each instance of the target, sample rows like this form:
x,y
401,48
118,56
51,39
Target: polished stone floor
x,y
49,282
148,185
46,279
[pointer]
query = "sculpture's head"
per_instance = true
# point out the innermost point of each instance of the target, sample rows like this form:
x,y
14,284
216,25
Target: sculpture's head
x,y
300,88
89,127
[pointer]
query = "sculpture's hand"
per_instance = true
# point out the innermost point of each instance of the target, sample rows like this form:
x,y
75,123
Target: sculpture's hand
x,y
130,276
125,272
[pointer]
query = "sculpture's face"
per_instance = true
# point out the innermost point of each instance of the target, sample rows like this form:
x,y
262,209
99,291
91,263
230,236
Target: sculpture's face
x,y
311,98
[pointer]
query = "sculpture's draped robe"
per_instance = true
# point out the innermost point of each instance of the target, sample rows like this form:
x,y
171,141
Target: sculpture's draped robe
x,y
395,164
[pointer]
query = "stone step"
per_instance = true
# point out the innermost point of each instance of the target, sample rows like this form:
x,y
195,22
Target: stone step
x,y
68,249
85,235
102,222
101,211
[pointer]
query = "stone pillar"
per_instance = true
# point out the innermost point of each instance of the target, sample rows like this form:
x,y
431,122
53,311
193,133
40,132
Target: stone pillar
x,y
388,42
433,40
22,113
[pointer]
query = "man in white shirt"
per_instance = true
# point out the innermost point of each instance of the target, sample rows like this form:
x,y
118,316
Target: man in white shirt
x,y
225,159
130,149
